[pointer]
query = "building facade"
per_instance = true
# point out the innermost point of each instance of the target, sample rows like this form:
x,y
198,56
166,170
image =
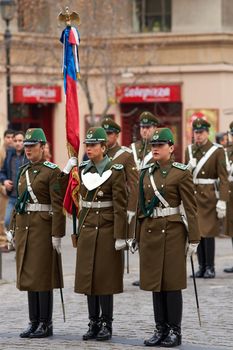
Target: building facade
x,y
172,57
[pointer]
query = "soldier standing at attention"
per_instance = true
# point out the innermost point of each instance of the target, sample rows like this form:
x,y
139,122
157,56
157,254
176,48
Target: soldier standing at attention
x,y
39,224
207,160
229,216
122,155
162,236
101,234
142,148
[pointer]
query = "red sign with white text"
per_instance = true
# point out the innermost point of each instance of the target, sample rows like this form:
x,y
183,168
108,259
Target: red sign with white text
x,y
36,94
148,93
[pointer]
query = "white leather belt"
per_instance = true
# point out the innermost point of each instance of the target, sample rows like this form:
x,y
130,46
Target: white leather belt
x,y
161,212
204,181
38,207
105,204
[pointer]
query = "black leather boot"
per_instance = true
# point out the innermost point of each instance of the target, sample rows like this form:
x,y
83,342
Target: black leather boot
x,y
173,338
93,304
228,269
200,272
209,272
201,259
32,327
160,333
105,332
106,304
136,283
45,328
210,254
174,317
33,307
94,328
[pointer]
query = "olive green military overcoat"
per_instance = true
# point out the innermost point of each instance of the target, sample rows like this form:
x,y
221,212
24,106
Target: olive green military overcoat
x,y
229,216
214,168
162,240
36,260
124,156
99,267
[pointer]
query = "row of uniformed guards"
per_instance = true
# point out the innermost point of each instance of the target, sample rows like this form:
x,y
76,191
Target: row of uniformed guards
x,y
104,203
225,139
207,162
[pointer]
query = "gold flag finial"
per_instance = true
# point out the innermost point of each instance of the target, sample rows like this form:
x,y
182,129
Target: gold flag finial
x,y
68,17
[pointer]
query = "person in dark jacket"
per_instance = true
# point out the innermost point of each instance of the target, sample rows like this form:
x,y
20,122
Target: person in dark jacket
x,y
15,158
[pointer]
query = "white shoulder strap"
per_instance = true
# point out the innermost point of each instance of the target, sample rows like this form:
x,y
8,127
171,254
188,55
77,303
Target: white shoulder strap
x,y
158,195
118,153
203,160
190,152
137,161
29,187
228,165
146,159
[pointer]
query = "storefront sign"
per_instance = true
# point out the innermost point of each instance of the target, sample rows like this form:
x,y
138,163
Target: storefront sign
x,y
36,94
148,93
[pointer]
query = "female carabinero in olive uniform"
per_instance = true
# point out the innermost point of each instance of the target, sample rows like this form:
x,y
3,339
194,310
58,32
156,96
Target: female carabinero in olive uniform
x,y
39,224
102,234
162,236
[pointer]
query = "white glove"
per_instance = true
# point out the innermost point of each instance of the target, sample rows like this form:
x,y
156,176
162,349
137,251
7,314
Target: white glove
x,y
192,164
221,209
132,244
10,235
130,215
56,242
120,244
191,249
73,161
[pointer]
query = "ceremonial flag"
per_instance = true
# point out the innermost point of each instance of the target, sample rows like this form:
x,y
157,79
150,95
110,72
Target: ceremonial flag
x,y
70,39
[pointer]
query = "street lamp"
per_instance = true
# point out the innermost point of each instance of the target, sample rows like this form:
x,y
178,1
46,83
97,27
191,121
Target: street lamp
x,y
7,11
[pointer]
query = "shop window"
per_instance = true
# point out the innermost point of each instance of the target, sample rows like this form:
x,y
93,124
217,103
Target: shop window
x,y
152,15
33,16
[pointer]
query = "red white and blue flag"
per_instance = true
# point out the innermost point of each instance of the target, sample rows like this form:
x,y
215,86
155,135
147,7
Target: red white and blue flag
x,y
70,39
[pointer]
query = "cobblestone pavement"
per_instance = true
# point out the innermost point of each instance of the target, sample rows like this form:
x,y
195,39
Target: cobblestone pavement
x,y
133,315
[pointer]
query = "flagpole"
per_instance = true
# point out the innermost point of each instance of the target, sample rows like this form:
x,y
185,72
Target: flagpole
x,y
70,38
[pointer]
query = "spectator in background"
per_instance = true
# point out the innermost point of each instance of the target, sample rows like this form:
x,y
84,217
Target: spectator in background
x,y
222,138
14,159
7,142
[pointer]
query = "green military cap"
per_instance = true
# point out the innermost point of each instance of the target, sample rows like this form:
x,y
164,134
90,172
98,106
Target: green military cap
x,y
148,119
96,135
162,136
231,128
110,126
34,136
200,124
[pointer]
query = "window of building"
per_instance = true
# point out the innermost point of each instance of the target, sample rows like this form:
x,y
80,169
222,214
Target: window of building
x,y
152,15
